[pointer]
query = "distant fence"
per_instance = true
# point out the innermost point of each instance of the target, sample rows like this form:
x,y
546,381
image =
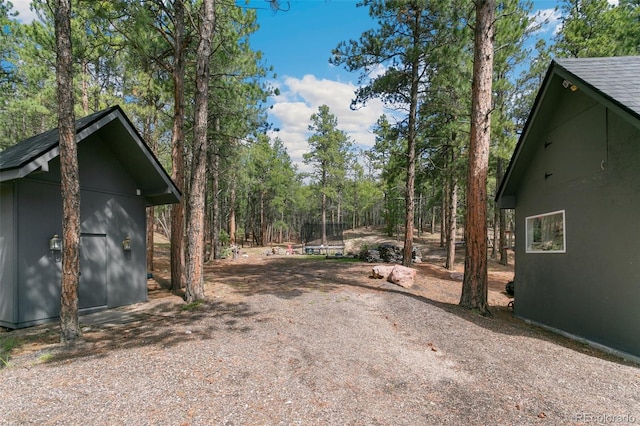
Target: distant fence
x,y
311,233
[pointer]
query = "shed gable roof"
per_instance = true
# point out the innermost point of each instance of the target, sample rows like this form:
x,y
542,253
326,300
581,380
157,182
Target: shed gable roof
x,y
35,152
614,81
617,78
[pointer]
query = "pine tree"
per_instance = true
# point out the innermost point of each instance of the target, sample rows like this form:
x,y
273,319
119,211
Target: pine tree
x,y
475,283
69,326
196,204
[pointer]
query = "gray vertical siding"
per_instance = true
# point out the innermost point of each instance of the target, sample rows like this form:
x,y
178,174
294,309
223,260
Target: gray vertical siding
x,y
110,211
8,282
39,272
593,289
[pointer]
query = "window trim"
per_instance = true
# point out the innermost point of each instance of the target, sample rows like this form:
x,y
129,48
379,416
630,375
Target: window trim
x,y
528,248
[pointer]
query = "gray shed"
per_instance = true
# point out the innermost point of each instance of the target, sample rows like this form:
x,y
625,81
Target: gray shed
x,y
574,182
119,178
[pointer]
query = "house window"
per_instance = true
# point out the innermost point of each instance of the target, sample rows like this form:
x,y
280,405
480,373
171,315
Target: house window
x,y
545,233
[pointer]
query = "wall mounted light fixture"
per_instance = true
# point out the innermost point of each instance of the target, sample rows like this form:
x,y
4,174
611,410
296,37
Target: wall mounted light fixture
x,y
569,85
126,243
55,248
55,243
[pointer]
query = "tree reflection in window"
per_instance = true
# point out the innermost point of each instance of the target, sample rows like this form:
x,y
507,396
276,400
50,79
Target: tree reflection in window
x,y
545,233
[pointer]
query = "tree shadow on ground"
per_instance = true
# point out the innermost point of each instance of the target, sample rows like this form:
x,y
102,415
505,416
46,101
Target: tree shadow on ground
x,y
290,277
167,324
502,321
284,277
169,321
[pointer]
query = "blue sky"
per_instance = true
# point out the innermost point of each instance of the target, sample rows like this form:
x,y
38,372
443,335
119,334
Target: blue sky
x,y
298,44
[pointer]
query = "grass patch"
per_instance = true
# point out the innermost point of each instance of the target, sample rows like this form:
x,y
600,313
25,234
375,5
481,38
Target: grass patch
x,y
192,306
44,358
7,343
348,259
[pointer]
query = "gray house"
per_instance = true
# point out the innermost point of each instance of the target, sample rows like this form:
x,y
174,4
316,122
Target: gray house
x,y
119,177
574,182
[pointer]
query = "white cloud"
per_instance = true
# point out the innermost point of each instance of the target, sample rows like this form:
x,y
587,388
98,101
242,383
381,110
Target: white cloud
x,y
25,15
300,98
549,20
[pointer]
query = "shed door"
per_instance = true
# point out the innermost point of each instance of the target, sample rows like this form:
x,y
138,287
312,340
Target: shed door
x,y
92,291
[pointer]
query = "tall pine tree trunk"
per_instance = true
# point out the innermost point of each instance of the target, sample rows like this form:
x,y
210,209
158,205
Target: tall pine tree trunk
x,y
451,189
150,123
475,284
263,219
504,256
411,164
452,203
69,176
502,237
324,207
177,149
232,209
444,210
196,205
215,197
85,86
497,217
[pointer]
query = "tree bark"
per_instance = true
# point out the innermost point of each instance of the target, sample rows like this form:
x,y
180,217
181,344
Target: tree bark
x,y
443,216
69,176
432,225
150,123
232,209
196,203
504,256
85,87
324,206
411,158
177,149
215,198
475,283
502,240
452,203
497,216
263,219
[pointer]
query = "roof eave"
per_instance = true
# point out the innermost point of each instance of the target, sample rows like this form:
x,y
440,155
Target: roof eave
x,y
39,163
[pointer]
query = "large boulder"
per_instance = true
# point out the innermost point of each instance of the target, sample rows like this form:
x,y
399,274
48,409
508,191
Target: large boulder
x,y
395,274
402,276
381,271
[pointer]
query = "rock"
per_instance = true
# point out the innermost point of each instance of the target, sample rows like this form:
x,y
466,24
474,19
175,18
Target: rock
x,y
402,276
390,253
370,256
458,276
381,271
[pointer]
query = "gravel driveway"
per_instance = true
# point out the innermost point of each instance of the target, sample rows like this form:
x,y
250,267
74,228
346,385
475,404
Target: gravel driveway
x,y
286,342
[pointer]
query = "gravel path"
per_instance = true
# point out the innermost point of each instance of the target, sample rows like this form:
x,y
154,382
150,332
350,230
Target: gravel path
x,y
331,349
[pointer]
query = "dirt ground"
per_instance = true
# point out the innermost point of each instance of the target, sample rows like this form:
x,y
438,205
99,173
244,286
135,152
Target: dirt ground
x,y
297,339
258,270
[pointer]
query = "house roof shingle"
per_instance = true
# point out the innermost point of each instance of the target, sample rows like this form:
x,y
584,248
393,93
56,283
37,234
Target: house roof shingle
x,y
22,153
617,78
614,80
125,142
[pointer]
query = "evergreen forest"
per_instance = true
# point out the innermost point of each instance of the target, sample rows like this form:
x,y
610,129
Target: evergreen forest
x,y
146,56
